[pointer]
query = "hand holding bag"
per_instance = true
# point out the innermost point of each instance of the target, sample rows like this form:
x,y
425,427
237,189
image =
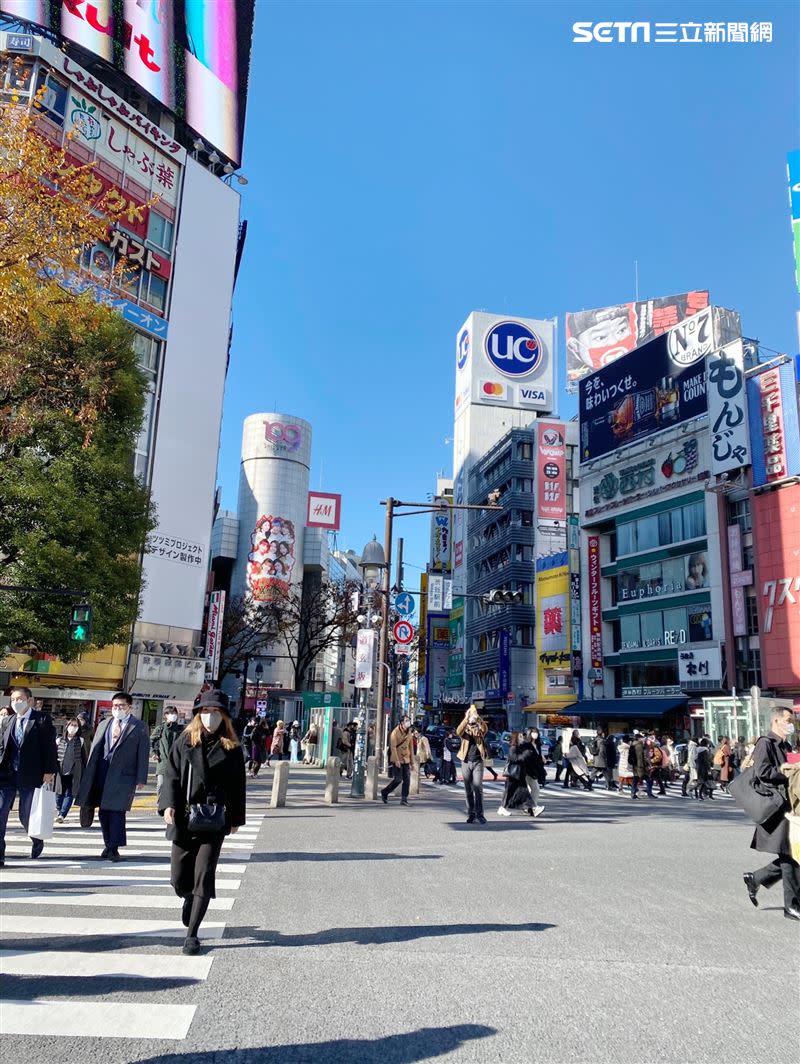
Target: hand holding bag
x,y
204,818
759,800
43,813
514,771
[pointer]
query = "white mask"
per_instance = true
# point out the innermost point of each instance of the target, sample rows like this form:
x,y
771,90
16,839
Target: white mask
x,y
71,732
171,718
789,730
20,706
211,721
119,713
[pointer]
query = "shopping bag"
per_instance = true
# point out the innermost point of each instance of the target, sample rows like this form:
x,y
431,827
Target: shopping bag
x,y
43,813
794,835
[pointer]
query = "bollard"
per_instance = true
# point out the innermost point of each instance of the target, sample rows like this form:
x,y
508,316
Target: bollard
x,y
371,786
280,781
414,785
332,781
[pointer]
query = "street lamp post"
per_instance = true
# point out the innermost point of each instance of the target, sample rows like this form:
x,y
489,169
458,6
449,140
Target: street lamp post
x,y
259,671
372,562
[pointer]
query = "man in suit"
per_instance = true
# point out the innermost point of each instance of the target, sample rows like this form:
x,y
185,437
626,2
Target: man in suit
x,y
117,768
28,759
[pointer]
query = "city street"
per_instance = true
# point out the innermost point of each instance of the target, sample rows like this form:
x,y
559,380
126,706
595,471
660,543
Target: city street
x,y
604,931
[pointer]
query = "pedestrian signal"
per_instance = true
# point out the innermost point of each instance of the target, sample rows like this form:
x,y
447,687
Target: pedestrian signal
x,y
80,625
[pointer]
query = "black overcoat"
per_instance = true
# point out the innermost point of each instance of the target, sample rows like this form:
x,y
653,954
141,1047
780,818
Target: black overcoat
x,y
768,756
214,771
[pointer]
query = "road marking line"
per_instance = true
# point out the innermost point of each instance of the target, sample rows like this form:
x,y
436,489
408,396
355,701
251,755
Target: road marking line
x,y
72,963
46,877
95,1019
44,926
100,900
232,867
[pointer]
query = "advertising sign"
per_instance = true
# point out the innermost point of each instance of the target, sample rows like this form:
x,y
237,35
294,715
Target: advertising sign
x,y
654,387
216,612
776,530
365,657
774,430
505,360
595,609
700,664
575,609
739,580
194,58
441,525
554,660
793,168
727,409
324,511
596,338
455,659
551,472
505,663
435,593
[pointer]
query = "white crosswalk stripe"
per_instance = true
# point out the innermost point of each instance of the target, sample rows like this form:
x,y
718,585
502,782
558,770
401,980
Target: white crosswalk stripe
x,y
61,897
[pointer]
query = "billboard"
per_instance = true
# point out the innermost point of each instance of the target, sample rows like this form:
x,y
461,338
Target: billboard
x,y
551,472
776,530
596,338
441,536
324,511
192,56
774,428
502,361
727,409
365,658
660,384
554,660
793,168
216,613
455,659
595,607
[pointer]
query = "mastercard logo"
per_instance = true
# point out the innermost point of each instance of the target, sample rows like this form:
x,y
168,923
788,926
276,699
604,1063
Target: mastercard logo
x,y
492,388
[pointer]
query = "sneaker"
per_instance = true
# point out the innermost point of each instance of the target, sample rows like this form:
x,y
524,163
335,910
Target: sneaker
x,y
481,819
538,810
404,801
191,947
502,811
59,819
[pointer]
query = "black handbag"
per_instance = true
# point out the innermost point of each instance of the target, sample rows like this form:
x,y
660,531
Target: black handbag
x,y
514,771
759,800
204,818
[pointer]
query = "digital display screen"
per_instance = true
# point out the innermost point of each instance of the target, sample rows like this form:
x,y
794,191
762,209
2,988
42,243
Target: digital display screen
x,y
193,56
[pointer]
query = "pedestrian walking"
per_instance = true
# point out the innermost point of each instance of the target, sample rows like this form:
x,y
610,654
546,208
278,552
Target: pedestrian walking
x,y
690,767
310,741
668,754
400,755
535,774
624,770
278,748
638,765
654,759
161,743
258,738
71,763
739,753
116,769
28,759
452,744
515,793
472,754
723,760
424,754
773,835
702,766
604,753
577,769
203,801
557,757
294,742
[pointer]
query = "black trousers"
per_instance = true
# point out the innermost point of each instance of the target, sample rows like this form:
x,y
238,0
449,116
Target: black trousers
x,y
786,868
112,821
193,865
399,775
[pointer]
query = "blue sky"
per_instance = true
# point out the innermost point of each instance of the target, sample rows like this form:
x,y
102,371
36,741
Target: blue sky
x,y
410,162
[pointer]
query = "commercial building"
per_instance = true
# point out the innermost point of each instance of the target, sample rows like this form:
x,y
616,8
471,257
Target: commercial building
x,y
180,225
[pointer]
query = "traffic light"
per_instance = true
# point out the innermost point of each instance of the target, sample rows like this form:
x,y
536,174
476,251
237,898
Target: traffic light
x,y
496,597
80,625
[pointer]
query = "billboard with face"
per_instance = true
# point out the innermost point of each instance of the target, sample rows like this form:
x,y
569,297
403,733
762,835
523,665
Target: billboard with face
x,y
597,337
193,56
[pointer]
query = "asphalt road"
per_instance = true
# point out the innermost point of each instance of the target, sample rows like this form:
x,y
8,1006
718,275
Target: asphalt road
x,y
606,931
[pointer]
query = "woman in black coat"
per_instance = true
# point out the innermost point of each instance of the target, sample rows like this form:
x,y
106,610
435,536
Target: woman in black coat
x,y
72,757
773,835
205,762
516,793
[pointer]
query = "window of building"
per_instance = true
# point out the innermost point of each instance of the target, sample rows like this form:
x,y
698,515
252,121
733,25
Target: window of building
x,y
630,632
650,678
739,513
668,577
526,517
52,95
525,484
147,353
154,291
662,530
751,605
160,231
15,76
694,520
525,451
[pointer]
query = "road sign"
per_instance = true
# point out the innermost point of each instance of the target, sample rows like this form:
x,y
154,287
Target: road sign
x,y
403,632
404,603
403,648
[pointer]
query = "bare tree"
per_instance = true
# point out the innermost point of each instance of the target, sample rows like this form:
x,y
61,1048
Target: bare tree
x,y
248,630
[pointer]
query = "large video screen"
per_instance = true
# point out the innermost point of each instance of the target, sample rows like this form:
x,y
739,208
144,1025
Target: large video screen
x,y
193,56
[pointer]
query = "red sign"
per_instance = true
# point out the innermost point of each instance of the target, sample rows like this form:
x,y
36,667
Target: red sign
x,y
404,632
776,528
324,510
595,614
551,472
769,385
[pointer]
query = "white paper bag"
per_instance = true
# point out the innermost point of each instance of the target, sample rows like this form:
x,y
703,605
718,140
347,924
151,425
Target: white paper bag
x,y
43,813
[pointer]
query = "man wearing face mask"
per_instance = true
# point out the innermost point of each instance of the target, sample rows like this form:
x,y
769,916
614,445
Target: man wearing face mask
x,y
205,766
401,752
472,754
117,768
27,760
773,835
161,743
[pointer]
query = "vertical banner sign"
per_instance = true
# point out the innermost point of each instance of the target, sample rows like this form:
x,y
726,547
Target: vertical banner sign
x,y
575,609
365,654
727,409
216,611
739,580
793,167
551,477
448,594
595,616
505,663
435,593
440,540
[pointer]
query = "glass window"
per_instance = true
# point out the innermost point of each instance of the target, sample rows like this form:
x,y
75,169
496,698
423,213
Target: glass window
x,y
694,520
626,538
527,518
15,76
700,627
630,632
676,526
52,95
664,529
672,573
647,532
652,629
159,231
156,292
675,623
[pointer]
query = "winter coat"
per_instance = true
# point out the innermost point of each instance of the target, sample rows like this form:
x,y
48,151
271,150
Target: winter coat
x,y
71,761
770,753
702,763
400,746
726,766
37,755
599,752
624,769
423,750
636,759
214,771
557,753
161,742
467,731
577,759
278,741
127,766
533,761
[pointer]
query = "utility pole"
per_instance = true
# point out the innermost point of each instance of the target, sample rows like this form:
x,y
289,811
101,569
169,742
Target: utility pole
x,y
384,644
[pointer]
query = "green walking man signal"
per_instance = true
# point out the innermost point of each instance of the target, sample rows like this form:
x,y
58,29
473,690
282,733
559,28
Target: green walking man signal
x,y
80,625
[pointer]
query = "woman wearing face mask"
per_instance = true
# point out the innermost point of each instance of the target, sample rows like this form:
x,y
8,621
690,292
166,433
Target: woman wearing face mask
x,y
71,763
205,762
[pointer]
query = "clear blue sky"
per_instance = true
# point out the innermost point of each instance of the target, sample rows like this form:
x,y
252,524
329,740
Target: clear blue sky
x,y
410,162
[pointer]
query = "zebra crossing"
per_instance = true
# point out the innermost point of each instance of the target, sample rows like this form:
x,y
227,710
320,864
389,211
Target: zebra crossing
x,y
70,921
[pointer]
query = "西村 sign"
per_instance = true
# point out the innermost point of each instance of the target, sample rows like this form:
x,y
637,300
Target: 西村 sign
x,y
700,664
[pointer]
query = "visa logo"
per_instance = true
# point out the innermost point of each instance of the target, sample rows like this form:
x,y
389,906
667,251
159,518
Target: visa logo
x,y
531,395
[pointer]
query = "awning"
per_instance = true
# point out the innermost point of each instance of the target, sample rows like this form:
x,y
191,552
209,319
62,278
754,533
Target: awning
x,y
627,707
175,692
553,705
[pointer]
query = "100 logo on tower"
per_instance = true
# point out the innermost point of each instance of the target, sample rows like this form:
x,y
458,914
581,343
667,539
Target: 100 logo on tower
x,y
513,349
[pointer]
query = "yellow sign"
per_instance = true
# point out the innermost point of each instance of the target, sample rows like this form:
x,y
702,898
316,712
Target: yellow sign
x,y
553,668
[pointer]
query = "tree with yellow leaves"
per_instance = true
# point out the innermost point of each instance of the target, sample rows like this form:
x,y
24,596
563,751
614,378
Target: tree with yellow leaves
x,y
72,513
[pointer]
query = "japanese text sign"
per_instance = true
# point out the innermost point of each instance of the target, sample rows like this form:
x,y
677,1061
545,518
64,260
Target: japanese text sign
x,y
727,409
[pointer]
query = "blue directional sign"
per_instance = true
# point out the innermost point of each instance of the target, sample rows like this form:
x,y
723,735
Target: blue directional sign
x,y
404,604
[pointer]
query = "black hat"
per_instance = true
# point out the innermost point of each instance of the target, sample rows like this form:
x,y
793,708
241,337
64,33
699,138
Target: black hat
x,y
210,700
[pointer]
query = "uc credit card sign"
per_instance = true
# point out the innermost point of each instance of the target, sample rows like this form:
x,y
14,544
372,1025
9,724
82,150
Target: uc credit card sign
x,y
506,360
